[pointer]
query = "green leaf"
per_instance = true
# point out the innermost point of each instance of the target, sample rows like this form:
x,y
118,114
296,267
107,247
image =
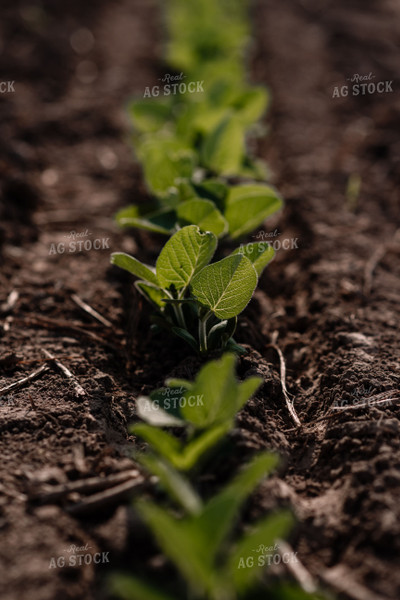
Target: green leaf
x,y
266,532
219,514
177,487
258,253
223,149
186,252
225,287
132,265
150,114
159,221
200,446
251,104
208,118
246,389
248,205
176,539
165,161
161,441
132,588
204,214
217,387
169,447
152,293
214,190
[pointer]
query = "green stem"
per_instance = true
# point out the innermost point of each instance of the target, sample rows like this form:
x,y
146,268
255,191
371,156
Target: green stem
x,y
203,333
179,315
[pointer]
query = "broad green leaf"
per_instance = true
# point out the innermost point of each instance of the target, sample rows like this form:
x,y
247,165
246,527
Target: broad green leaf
x,y
165,161
132,265
246,389
255,169
225,287
160,221
127,587
204,214
219,515
176,539
212,189
208,118
223,148
149,114
173,482
186,252
266,533
248,205
216,385
251,104
195,450
258,253
168,446
161,441
151,292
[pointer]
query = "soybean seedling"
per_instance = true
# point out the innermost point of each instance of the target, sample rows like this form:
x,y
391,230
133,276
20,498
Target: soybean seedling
x,y
205,550
195,300
205,409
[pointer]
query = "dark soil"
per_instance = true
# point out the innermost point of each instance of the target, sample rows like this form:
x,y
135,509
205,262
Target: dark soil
x,y
331,303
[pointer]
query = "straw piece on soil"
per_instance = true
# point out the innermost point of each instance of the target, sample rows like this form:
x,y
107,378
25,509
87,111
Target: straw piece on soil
x,y
91,311
77,386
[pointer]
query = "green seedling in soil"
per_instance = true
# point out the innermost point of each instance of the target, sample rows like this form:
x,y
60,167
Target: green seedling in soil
x,y
206,31
205,409
186,164
205,549
212,205
191,145
195,300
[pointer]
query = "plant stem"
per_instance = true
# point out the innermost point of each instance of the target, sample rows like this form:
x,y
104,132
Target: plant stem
x,y
203,333
179,315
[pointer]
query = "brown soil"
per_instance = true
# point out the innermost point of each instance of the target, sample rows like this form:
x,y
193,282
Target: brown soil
x,y
331,305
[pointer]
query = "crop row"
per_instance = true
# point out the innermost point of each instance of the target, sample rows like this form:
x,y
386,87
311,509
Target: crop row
x,y
204,186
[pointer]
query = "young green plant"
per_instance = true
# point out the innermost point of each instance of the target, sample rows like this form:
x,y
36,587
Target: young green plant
x,y
196,300
202,545
204,410
199,537
191,145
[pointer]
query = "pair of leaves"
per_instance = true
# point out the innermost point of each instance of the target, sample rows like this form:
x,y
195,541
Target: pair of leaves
x,y
224,287
200,544
185,253
208,405
212,206
165,160
205,32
